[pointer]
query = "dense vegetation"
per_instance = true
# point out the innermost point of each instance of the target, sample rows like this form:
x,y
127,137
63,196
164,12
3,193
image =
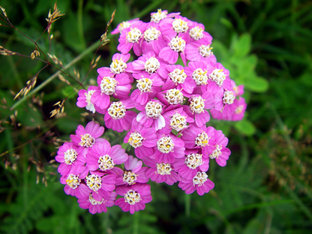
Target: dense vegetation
x,y
266,187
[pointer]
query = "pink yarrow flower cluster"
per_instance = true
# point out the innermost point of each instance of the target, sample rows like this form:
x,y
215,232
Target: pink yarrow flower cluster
x,y
164,99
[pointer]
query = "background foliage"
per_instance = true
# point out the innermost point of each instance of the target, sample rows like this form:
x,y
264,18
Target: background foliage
x,y
266,187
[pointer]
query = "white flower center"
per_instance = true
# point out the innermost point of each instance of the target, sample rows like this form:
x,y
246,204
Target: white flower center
x,y
217,152
132,197
73,181
153,109
144,85
70,156
178,122
163,168
158,16
194,160
95,202
217,76
89,106
228,97
86,140
200,76
108,85
151,34
205,50
197,104
106,162
179,26
124,25
117,110
94,182
165,145
151,65
200,178
174,96
134,35
202,139
239,109
197,33
129,177
135,139
118,66
178,76
177,44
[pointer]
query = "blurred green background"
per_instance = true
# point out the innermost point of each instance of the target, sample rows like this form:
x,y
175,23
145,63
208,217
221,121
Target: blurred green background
x,y
266,187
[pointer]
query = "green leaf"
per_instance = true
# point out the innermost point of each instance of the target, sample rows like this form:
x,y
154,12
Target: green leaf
x,y
69,92
241,46
71,34
245,127
257,84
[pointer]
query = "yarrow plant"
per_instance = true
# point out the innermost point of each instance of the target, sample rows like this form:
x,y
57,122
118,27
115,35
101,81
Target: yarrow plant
x,y
164,99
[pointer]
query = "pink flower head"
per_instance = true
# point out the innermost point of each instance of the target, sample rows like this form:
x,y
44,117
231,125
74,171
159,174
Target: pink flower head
x,y
169,147
198,72
176,77
148,63
174,48
95,206
218,74
178,25
125,24
134,197
142,139
193,162
197,109
100,186
153,39
199,182
159,15
213,96
197,33
147,86
131,37
161,172
232,112
217,148
88,136
103,157
85,100
74,185
118,118
197,51
198,138
72,159
176,120
151,115
134,173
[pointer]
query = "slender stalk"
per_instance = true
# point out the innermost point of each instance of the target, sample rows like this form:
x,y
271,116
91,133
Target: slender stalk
x,y
80,23
51,78
187,203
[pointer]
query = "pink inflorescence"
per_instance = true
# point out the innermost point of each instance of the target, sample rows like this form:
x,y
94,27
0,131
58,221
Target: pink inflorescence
x,y
163,99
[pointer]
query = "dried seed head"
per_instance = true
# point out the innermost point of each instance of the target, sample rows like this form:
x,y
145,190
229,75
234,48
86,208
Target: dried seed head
x,y
34,54
29,85
6,52
58,110
52,17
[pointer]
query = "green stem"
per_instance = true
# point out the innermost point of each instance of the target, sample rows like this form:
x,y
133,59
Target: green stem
x,y
187,203
80,24
136,223
51,78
